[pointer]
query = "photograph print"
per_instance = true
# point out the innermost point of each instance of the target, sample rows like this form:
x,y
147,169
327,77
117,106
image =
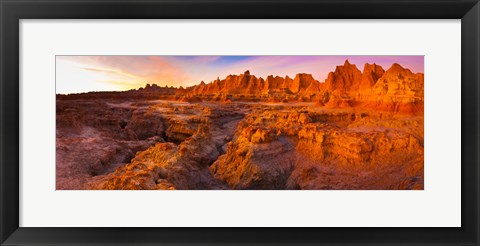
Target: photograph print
x,y
240,122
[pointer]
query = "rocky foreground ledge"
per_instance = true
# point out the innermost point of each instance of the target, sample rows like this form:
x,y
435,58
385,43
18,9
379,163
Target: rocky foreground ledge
x,y
178,145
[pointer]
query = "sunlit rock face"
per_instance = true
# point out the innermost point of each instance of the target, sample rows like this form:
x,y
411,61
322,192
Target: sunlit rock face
x,y
303,149
371,73
357,130
344,80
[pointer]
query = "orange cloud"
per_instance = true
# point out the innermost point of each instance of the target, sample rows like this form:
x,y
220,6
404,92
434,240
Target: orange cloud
x,y
123,85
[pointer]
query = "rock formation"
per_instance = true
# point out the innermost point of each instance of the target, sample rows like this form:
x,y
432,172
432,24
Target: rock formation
x,y
371,73
344,80
246,84
308,150
398,90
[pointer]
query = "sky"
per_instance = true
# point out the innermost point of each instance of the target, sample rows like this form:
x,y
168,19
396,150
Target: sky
x,y
76,74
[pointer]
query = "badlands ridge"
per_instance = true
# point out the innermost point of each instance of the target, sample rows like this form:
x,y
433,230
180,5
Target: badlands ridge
x,y
356,130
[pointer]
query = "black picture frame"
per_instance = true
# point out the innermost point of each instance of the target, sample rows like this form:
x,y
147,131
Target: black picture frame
x,y
12,11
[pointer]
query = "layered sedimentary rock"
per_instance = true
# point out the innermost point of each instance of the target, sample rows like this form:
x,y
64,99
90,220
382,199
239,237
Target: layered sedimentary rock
x,y
167,166
396,90
195,146
99,138
344,80
310,150
93,136
247,84
371,74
